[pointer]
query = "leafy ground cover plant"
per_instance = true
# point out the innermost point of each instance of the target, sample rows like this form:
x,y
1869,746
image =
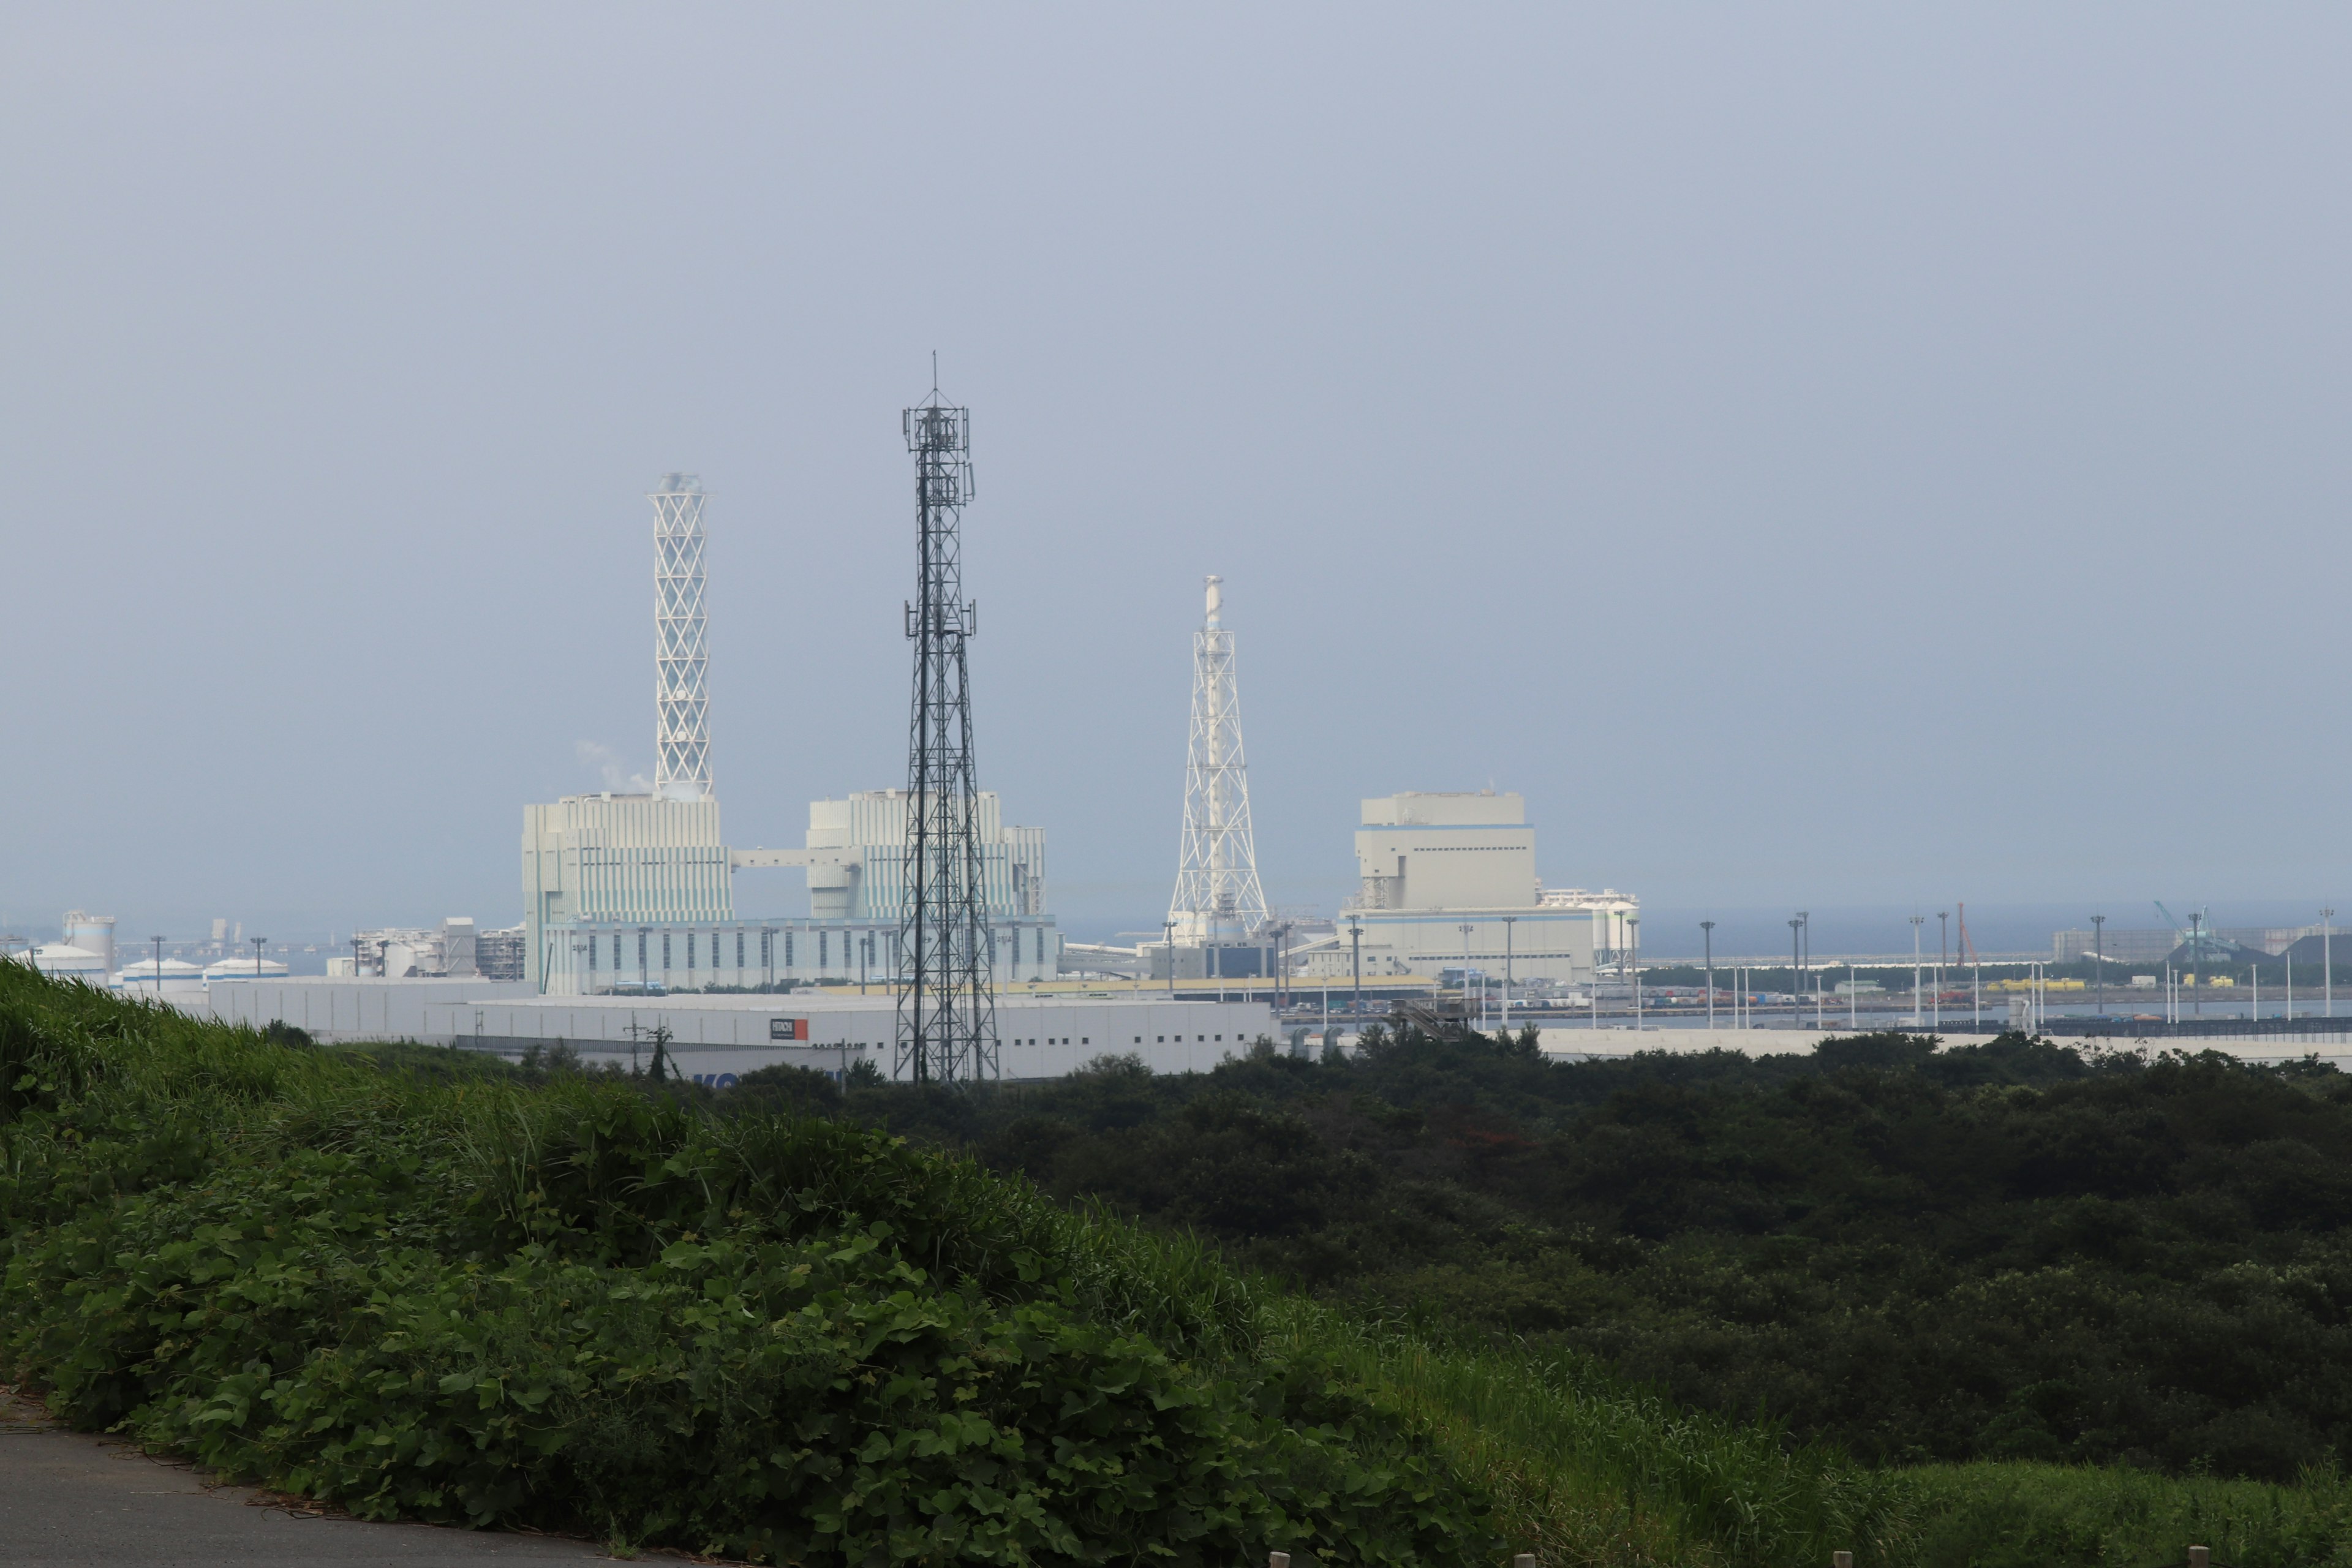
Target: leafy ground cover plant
x,y
573,1306
423,1285
2012,1250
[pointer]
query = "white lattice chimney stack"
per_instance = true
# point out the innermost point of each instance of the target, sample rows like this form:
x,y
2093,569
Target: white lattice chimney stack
x,y
681,643
1217,899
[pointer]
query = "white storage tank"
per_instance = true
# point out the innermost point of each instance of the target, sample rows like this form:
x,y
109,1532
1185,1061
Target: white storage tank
x,y
92,933
63,960
246,968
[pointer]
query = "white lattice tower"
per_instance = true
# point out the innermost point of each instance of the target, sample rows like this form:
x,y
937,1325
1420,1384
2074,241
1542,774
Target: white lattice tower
x,y
1217,894
681,643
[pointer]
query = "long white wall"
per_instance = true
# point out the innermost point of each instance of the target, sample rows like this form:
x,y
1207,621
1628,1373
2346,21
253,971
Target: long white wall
x,y
1040,1036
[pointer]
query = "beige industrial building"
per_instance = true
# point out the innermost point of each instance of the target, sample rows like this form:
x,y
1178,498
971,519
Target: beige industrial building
x,y
634,892
1448,881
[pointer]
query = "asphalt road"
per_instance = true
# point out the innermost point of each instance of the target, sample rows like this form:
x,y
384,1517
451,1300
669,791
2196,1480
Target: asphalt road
x,y
66,1498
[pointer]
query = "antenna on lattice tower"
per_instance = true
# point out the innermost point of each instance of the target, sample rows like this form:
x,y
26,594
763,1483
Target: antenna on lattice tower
x,y
947,998
1217,898
681,643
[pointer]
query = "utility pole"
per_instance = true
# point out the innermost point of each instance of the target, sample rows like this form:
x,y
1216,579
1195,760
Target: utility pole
x,y
1796,967
1356,956
1708,927
2099,958
1917,922
1633,937
1168,928
1805,936
1943,956
2196,963
1507,922
2327,961
1465,928
159,966
257,955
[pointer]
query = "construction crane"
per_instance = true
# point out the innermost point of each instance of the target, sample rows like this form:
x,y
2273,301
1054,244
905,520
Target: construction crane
x,y
2198,937
1968,948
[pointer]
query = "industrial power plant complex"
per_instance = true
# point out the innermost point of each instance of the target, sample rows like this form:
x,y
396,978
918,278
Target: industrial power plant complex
x,y
929,950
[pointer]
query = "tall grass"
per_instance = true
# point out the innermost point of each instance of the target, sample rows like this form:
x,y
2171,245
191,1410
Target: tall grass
x,y
1588,1471
2013,1515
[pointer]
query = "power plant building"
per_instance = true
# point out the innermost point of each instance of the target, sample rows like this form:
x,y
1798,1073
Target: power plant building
x,y
1449,883
634,892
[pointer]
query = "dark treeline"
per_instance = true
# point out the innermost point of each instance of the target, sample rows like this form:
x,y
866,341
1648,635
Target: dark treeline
x,y
2005,1251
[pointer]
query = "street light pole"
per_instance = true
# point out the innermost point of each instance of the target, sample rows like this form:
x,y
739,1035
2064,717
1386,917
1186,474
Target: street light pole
x,y
1464,928
1943,956
1708,927
1168,929
1634,936
2099,958
2327,961
1508,921
1805,936
257,955
1356,952
1796,968
2196,965
1917,922
159,966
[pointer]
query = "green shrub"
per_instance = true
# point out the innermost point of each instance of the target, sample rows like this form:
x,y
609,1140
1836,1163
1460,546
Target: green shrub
x,y
572,1306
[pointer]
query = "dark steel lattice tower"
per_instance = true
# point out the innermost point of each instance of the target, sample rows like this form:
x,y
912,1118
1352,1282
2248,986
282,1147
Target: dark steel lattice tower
x,y
946,1002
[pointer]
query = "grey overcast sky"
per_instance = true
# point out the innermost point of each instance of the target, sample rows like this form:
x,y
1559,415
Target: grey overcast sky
x,y
1817,453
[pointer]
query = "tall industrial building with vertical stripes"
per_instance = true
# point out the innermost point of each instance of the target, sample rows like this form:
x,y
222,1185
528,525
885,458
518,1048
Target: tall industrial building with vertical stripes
x,y
635,891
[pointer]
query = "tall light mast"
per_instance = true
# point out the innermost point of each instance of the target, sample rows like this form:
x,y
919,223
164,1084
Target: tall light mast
x,y
1217,897
947,999
681,643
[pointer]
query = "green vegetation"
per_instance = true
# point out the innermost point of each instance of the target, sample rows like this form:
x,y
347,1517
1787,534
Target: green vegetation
x,y
425,1283
2002,1251
419,1284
